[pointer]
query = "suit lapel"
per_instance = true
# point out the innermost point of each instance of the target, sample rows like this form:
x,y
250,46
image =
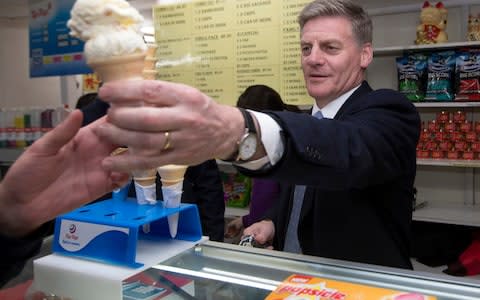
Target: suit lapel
x,y
362,90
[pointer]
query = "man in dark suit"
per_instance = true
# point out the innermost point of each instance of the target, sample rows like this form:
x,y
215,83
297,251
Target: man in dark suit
x,y
351,172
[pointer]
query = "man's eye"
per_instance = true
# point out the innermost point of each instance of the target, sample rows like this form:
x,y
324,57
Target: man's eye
x,y
306,50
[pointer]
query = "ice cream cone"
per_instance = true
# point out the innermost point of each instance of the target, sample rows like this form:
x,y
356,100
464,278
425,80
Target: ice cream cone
x,y
149,63
144,181
145,186
172,179
149,74
145,177
171,174
119,67
152,50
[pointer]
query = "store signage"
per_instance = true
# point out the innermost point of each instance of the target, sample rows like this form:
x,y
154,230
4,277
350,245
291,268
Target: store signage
x,y
53,51
222,46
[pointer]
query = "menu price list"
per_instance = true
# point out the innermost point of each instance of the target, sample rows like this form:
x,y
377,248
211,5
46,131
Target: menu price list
x,y
222,47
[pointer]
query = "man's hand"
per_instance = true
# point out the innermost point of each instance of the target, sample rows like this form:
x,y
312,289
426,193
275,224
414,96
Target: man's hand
x,y
177,124
262,231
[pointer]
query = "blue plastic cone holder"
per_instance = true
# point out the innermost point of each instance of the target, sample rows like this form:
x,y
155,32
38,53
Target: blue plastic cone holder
x,y
108,231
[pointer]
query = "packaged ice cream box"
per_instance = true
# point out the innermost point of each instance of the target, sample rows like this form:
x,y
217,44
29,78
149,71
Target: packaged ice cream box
x,y
237,189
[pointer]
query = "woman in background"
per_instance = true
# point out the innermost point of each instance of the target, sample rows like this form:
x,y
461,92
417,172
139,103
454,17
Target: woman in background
x,y
264,191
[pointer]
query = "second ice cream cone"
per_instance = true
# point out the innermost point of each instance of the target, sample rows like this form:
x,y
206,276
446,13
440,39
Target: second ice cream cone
x,y
171,174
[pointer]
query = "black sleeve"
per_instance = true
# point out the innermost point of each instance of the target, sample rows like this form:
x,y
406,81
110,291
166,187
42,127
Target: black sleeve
x,y
203,186
14,252
94,111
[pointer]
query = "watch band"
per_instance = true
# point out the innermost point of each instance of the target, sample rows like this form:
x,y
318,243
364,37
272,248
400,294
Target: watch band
x,y
249,124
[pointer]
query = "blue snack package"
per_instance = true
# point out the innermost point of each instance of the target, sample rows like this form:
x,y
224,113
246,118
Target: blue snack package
x,y
441,75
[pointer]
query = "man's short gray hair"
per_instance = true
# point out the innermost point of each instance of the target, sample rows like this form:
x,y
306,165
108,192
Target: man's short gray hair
x,y
361,22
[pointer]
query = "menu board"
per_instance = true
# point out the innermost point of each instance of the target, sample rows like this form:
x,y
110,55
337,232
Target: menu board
x,y
52,50
223,46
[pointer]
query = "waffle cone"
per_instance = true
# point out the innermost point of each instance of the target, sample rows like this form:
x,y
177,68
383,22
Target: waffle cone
x,y
145,181
150,62
119,67
151,50
149,74
171,174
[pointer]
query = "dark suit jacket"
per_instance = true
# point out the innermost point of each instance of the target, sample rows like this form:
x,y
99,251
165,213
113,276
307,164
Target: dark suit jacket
x,y
202,185
360,169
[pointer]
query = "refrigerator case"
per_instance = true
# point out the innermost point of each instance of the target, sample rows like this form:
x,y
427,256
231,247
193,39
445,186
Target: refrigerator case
x,y
224,271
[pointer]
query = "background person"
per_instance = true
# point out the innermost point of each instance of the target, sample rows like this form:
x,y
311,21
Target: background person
x,y
264,191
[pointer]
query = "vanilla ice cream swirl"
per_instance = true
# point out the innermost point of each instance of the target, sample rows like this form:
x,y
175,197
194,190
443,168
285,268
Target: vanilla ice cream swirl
x,y
108,27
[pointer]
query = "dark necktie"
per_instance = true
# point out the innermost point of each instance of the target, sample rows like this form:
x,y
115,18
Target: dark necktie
x,y
291,239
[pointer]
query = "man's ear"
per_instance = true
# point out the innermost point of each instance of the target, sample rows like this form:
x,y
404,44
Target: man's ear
x,y
366,56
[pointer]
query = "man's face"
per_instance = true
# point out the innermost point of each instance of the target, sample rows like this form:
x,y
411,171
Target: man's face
x,y
332,60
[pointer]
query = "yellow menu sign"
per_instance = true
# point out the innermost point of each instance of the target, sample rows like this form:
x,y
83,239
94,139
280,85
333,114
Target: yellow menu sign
x,y
308,287
224,46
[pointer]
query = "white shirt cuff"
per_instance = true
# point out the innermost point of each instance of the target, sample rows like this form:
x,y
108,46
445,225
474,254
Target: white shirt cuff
x,y
271,140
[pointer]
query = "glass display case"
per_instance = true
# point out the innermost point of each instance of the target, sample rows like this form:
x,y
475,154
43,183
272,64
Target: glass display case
x,y
224,271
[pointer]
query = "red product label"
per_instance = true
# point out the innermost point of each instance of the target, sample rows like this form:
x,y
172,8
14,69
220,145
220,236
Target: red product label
x,y
453,154
460,145
468,155
471,136
441,135
457,136
445,145
466,126
459,117
443,117
475,146
423,153
451,126
438,154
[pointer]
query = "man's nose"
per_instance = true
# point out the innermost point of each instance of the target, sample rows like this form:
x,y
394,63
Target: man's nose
x,y
316,56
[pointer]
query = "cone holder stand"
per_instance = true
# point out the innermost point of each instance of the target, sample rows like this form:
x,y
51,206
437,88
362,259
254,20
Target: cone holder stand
x,y
109,231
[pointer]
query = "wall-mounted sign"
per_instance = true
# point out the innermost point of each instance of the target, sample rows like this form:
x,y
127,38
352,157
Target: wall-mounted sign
x,y
53,51
224,46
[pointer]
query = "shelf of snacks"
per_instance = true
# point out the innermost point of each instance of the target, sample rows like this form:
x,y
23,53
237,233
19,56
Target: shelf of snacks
x,y
449,139
448,212
400,50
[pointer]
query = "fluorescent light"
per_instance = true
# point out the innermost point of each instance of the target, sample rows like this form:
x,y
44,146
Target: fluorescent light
x,y
236,279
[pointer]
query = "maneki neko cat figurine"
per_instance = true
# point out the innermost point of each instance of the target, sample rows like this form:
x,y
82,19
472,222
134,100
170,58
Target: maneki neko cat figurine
x,y
433,24
473,28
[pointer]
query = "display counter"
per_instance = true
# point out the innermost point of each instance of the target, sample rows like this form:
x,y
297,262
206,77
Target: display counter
x,y
224,271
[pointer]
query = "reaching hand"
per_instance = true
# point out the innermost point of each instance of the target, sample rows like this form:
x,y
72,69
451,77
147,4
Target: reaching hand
x,y
263,232
59,172
177,124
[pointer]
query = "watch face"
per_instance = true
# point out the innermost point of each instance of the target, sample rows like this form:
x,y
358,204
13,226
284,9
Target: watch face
x,y
248,147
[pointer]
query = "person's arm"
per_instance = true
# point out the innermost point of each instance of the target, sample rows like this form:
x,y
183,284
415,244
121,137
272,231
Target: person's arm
x,y
59,172
94,111
264,194
16,251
